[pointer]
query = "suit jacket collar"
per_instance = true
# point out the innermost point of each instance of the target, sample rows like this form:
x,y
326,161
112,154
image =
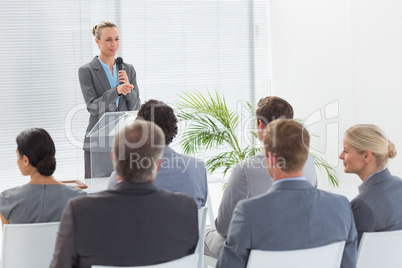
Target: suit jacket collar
x,y
100,73
139,188
375,179
291,185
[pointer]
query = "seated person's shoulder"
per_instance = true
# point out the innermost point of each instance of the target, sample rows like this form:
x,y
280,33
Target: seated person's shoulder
x,y
189,158
14,196
253,162
73,191
186,163
15,191
176,197
333,198
250,171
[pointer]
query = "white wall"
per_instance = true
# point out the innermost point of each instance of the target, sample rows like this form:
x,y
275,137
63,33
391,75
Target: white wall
x,y
343,60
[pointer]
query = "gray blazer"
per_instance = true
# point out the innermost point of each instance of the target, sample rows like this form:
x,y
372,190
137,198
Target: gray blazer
x,y
249,178
292,215
100,98
132,225
378,207
179,173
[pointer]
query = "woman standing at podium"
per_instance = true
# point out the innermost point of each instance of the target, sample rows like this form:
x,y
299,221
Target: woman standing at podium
x,y
105,89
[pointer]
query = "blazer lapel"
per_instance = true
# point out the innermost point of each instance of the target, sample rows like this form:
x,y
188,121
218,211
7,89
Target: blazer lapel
x,y
100,73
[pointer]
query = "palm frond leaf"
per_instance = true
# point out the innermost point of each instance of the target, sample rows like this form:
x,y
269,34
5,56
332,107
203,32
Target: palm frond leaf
x,y
211,125
321,163
224,160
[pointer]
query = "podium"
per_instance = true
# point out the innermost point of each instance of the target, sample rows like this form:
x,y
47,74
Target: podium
x,y
101,140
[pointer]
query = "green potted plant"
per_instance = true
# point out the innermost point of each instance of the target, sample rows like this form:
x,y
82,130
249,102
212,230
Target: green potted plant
x,y
213,125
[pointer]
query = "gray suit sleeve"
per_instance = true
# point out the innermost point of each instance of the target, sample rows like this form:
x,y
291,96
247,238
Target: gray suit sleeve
x,y
95,104
350,251
65,254
236,190
132,98
236,250
363,216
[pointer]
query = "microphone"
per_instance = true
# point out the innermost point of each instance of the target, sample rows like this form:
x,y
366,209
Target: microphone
x,y
119,63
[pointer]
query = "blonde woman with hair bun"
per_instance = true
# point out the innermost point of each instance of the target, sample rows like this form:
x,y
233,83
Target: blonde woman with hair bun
x,y
106,89
378,207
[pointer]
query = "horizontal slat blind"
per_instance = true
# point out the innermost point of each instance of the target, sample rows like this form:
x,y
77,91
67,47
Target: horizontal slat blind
x,y
45,44
190,45
174,46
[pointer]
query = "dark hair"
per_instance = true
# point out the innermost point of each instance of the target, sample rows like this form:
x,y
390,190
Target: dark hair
x,y
271,108
38,146
162,115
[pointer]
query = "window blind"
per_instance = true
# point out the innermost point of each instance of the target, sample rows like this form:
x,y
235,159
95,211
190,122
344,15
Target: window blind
x,y
175,46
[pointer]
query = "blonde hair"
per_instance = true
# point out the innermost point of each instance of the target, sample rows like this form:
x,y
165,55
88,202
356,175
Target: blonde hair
x,y
96,30
370,137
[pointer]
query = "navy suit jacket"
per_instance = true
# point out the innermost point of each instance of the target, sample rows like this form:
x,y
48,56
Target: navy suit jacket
x,y
378,207
292,215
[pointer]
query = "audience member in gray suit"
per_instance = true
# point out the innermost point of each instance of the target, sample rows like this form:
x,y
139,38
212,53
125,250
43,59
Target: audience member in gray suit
x,y
178,172
293,214
378,207
250,178
134,224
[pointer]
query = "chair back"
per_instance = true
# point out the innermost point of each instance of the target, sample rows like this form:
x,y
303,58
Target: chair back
x,y
28,245
210,211
202,218
381,249
210,261
329,256
185,262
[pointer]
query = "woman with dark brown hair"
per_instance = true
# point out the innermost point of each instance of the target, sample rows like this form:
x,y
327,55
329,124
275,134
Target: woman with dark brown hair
x,y
43,199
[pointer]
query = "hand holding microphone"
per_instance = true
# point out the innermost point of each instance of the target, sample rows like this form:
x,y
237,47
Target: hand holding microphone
x,y
125,87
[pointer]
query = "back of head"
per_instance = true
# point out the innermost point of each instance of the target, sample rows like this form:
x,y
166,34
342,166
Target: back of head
x,y
137,150
370,137
271,108
37,145
162,115
289,142
97,29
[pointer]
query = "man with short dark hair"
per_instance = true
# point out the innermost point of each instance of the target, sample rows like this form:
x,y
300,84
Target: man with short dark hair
x,y
293,214
250,178
134,224
178,172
